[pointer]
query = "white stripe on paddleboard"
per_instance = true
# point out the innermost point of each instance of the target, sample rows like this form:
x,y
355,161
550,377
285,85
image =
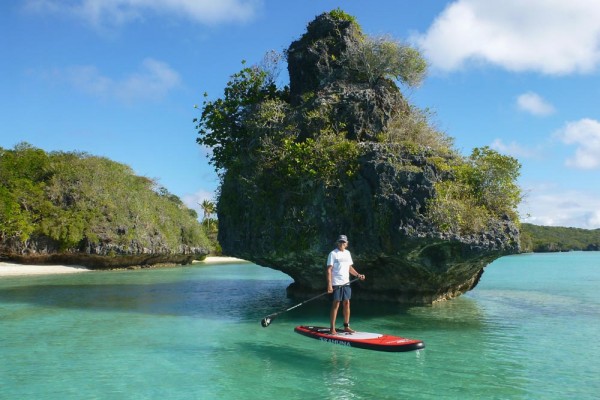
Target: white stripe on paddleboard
x,y
357,335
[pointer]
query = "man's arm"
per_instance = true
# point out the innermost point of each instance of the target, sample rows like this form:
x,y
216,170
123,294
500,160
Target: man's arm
x,y
356,274
329,272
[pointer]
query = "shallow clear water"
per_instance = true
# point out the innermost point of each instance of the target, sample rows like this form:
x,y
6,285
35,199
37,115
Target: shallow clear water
x,y
530,330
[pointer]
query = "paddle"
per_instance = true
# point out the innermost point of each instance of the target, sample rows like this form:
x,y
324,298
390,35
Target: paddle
x,y
266,321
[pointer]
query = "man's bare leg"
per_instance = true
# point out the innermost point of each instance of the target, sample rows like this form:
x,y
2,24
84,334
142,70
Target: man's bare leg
x,y
334,310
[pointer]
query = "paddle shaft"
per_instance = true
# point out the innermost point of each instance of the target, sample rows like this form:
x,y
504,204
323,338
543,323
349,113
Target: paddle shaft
x,y
271,316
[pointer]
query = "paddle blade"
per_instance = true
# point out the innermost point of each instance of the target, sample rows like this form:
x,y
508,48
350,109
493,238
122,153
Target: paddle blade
x,y
265,322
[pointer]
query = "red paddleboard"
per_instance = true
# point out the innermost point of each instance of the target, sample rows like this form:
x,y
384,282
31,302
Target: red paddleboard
x,y
363,340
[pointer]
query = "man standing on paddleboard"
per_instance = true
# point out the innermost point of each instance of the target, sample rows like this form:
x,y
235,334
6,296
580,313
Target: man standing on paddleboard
x,y
339,268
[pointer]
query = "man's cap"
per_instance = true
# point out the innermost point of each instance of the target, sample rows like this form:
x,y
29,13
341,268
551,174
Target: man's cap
x,y
342,238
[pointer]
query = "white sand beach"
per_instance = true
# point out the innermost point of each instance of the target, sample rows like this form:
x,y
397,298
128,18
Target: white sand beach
x,y
221,260
10,269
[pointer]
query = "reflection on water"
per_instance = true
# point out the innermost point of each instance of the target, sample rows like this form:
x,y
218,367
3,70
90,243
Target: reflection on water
x,y
342,384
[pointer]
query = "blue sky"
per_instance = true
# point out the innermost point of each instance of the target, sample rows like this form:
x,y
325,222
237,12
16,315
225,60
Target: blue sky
x,y
120,79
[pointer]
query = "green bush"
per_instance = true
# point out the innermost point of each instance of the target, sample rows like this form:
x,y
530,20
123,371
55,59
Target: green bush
x,y
415,127
483,189
374,58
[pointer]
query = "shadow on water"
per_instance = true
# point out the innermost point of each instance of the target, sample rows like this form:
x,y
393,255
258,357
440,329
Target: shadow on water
x,y
221,298
281,355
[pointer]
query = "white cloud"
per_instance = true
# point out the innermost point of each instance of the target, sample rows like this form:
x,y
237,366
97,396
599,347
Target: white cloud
x,y
86,78
152,81
513,149
554,206
548,36
585,134
118,12
534,104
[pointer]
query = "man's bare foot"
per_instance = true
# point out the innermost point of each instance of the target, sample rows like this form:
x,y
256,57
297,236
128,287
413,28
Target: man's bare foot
x,y
348,329
332,331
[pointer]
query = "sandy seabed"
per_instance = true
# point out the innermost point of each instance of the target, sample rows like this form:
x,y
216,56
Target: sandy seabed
x,y
11,269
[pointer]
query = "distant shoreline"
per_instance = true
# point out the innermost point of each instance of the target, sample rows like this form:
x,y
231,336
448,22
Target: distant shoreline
x,y
12,269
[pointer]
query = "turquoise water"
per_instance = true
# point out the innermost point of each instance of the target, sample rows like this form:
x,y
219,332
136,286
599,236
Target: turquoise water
x,y
530,330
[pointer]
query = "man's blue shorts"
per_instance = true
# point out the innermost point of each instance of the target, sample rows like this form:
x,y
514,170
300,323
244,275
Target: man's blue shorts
x,y
341,293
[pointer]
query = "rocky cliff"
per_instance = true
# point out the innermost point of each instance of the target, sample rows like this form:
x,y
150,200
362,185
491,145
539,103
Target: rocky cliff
x,y
381,199
43,250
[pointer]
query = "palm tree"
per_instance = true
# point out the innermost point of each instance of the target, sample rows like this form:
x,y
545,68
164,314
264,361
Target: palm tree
x,y
208,208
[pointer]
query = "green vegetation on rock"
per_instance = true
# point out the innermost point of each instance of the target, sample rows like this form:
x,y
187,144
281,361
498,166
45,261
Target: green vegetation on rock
x,y
371,59
75,202
483,189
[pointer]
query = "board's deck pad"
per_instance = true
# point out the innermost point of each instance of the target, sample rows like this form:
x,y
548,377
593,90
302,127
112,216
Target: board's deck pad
x,y
363,340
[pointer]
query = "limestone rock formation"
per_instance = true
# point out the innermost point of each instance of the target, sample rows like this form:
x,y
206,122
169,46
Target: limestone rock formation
x,y
382,208
316,64
98,255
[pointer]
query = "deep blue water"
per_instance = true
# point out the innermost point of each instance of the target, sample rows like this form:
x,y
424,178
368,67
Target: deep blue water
x,y
530,330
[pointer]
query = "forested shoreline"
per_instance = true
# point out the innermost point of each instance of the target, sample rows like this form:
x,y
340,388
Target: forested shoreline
x,y
76,203
543,239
